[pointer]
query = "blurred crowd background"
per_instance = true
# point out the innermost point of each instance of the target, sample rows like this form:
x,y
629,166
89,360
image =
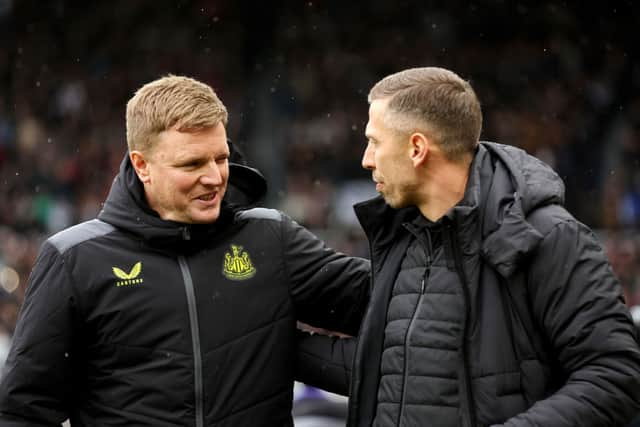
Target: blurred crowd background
x,y
558,79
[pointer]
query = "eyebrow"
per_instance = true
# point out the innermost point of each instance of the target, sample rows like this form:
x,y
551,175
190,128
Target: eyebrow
x,y
189,157
187,160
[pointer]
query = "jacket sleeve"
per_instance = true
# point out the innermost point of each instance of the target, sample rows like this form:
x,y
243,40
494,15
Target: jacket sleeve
x,y
324,361
578,302
329,289
36,381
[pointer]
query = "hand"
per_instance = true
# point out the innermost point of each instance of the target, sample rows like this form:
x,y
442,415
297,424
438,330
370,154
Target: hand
x,y
313,330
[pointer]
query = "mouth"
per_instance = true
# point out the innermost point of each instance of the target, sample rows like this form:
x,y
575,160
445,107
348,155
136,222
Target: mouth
x,y
208,198
378,183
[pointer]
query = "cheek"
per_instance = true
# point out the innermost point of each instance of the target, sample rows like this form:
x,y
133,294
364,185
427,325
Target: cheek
x,y
183,182
386,161
396,169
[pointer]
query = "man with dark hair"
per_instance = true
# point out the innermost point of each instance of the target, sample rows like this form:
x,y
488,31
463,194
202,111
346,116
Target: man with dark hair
x,y
491,304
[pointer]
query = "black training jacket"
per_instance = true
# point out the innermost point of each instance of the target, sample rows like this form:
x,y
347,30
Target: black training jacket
x,y
130,320
545,339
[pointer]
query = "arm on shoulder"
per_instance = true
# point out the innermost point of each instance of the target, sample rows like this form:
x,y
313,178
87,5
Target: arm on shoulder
x,y
329,289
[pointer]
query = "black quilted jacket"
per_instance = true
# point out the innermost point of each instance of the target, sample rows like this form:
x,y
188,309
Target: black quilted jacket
x,y
570,358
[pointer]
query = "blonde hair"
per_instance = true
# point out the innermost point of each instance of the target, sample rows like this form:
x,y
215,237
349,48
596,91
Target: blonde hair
x,y
435,101
171,102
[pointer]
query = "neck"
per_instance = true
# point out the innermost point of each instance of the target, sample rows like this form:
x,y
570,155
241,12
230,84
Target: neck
x,y
444,186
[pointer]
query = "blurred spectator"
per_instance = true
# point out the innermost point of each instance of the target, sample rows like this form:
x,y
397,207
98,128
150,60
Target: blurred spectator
x,y
624,253
9,307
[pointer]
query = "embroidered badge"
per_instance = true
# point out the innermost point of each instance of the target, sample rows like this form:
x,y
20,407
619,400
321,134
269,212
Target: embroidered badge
x,y
130,278
237,264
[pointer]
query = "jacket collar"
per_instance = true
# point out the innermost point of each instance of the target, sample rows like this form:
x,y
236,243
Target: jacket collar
x,y
505,185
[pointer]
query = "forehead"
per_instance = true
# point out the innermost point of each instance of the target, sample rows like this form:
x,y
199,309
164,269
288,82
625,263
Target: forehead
x,y
377,111
206,142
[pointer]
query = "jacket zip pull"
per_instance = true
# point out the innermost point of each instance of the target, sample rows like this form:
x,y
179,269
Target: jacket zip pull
x,y
186,235
427,273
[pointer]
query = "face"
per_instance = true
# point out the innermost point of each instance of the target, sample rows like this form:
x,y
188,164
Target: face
x,y
185,174
387,156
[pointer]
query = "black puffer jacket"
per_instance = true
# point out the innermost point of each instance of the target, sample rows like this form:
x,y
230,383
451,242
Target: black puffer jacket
x,y
130,320
569,358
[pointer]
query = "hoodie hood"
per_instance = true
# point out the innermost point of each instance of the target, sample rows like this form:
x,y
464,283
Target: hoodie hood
x,y
126,206
508,185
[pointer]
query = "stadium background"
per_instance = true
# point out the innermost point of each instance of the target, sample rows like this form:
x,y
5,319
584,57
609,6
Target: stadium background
x,y
559,80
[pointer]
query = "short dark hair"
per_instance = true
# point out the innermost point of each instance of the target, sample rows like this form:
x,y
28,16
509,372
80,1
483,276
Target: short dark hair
x,y
436,101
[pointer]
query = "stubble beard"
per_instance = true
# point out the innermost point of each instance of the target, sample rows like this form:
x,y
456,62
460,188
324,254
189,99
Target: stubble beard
x,y
400,197
393,200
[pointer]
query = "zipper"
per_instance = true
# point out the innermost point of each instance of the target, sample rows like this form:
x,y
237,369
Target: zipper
x,y
427,271
195,340
464,345
186,233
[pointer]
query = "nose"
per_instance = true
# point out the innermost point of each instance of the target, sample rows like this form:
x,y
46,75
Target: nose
x,y
213,175
368,158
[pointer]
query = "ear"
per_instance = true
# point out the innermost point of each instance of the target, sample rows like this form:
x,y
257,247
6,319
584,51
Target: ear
x,y
419,146
141,166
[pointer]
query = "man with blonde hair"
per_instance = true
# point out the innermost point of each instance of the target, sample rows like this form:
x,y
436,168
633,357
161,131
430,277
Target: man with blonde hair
x,y
491,304
177,306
